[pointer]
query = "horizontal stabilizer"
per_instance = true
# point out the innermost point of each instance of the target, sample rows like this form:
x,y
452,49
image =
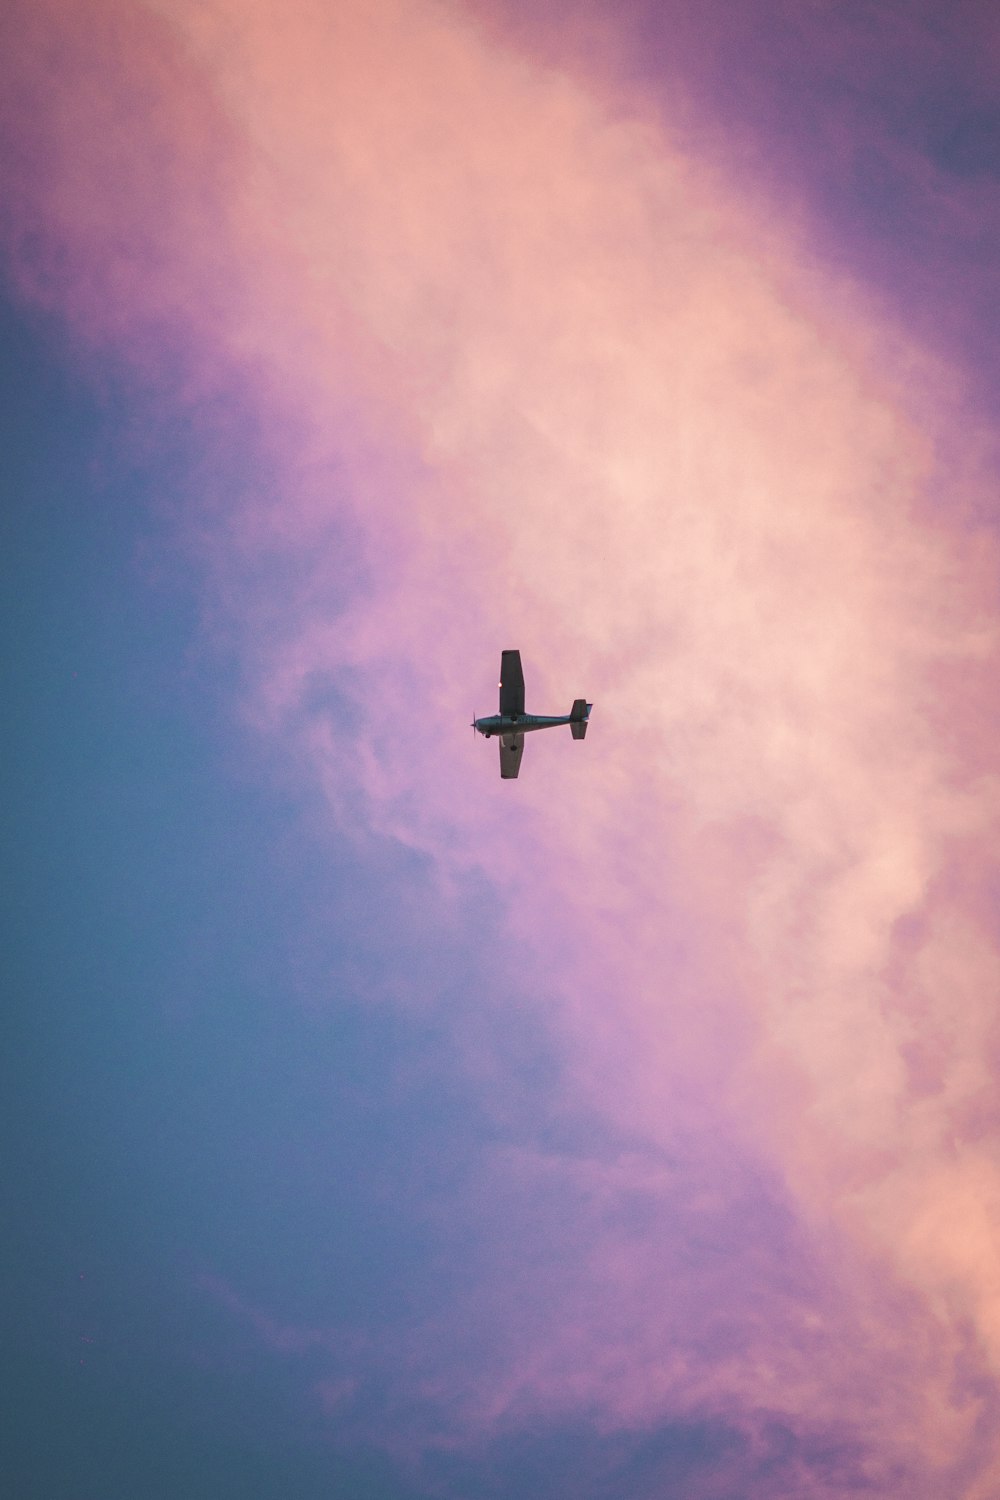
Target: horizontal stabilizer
x,y
579,714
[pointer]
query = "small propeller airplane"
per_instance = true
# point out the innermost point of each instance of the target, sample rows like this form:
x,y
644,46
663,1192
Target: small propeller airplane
x,y
511,724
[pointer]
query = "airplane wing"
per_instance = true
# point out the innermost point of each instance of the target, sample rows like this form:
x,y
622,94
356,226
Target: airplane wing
x,y
510,754
511,684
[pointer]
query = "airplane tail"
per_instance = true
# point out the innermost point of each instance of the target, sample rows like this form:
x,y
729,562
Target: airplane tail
x,y
578,716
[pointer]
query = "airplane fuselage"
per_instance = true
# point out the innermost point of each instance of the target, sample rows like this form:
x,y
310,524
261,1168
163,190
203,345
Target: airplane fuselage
x,y
519,723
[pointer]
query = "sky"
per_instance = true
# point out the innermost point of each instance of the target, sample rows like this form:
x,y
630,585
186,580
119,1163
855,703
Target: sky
x,y
373,1128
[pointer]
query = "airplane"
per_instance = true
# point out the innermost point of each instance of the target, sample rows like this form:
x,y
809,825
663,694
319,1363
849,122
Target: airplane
x,y
511,724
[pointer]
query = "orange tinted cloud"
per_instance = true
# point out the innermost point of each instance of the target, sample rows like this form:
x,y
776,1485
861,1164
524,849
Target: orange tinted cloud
x,y
573,391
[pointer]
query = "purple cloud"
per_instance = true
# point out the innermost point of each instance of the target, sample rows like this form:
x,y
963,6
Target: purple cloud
x,y
537,370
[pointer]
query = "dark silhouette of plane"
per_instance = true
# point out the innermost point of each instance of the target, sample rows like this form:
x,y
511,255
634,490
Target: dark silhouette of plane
x,y
511,724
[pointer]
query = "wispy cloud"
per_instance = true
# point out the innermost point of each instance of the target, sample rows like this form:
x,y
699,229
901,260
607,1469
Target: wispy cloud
x,y
534,374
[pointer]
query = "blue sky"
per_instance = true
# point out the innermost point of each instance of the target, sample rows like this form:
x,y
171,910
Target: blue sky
x,y
158,1082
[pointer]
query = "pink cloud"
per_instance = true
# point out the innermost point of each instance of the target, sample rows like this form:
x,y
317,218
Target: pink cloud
x,y
567,388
